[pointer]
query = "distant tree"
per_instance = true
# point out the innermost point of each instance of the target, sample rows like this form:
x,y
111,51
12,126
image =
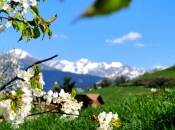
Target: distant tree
x,y
120,79
67,85
160,82
106,82
137,82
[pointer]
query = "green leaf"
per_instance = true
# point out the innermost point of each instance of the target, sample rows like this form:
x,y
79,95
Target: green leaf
x,y
39,85
36,32
22,26
13,106
24,34
44,29
73,93
19,92
102,7
34,10
32,23
51,19
16,25
50,33
33,82
4,98
30,34
37,70
18,16
2,2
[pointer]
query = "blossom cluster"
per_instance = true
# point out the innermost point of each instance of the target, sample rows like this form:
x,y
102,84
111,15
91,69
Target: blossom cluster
x,y
17,103
63,100
15,106
108,121
15,8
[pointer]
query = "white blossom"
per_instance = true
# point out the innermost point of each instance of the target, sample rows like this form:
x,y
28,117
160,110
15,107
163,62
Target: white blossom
x,y
37,92
105,119
153,89
2,28
8,24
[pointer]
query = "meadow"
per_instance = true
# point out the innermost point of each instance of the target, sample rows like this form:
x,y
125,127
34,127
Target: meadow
x,y
138,109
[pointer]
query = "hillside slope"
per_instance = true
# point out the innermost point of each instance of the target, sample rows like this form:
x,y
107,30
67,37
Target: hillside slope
x,y
162,77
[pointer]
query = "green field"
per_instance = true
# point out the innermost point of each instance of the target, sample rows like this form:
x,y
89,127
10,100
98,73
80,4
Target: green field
x,y
138,109
119,93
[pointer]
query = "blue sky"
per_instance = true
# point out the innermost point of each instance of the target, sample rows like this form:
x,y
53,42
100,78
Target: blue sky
x,y
142,35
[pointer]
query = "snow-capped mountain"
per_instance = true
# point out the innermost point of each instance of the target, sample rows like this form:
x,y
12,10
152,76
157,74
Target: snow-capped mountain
x,y
26,59
86,67
102,69
17,53
83,71
51,74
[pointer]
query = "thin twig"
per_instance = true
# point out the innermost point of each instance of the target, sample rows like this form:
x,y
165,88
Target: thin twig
x,y
41,61
51,111
38,62
72,114
12,18
39,113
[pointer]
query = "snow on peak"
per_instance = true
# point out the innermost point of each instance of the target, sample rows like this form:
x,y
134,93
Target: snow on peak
x,y
157,68
116,64
85,66
112,64
83,60
19,53
102,69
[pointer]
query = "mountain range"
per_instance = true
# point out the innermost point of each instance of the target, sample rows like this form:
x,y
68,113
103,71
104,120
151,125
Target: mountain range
x,y
83,71
102,69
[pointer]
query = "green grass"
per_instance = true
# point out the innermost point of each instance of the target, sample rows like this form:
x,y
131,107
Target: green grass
x,y
169,72
144,111
119,93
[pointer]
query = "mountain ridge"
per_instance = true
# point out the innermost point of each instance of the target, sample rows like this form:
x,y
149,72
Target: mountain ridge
x,y
51,74
80,69
101,69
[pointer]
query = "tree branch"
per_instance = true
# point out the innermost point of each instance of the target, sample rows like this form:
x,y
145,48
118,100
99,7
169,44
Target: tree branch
x,y
11,18
41,61
39,113
51,111
38,62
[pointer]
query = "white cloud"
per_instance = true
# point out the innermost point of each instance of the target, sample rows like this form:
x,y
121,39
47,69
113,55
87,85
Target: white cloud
x,y
128,37
62,36
55,35
139,45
